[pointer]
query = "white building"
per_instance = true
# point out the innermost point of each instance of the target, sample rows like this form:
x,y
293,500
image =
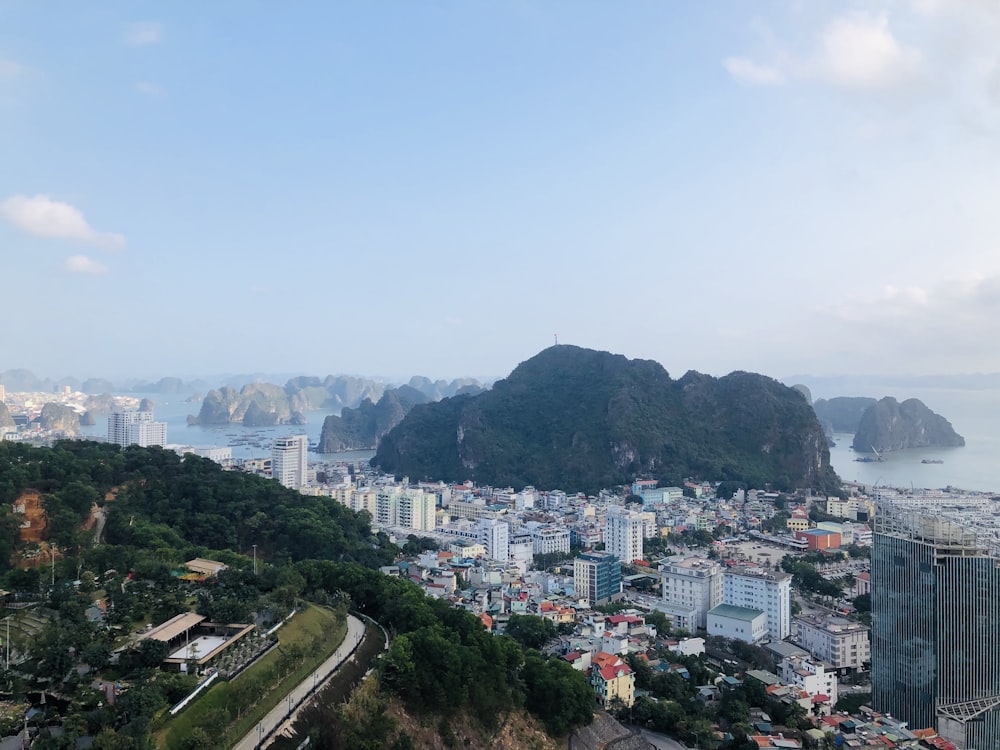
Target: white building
x,y
136,428
623,534
691,588
740,623
548,539
405,508
289,460
811,675
494,535
769,591
842,643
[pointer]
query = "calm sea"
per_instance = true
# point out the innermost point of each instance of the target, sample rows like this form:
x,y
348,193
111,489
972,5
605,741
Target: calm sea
x,y
975,415
174,410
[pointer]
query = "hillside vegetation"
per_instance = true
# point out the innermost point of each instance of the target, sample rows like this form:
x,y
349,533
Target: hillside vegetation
x,y
162,510
580,419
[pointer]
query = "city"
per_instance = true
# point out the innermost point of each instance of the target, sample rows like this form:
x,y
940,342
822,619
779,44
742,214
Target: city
x,y
826,603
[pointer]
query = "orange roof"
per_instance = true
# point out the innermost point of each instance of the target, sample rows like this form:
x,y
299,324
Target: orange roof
x,y
486,620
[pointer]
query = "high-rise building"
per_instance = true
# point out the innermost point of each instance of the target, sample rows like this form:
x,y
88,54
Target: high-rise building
x,y
494,535
691,588
597,576
397,506
767,590
936,618
289,460
136,428
623,534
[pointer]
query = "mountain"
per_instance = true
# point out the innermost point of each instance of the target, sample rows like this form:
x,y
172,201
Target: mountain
x,y
581,419
842,413
889,426
6,420
360,428
59,417
435,390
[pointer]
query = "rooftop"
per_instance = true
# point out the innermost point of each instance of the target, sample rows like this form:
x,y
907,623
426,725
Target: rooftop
x,y
173,627
736,613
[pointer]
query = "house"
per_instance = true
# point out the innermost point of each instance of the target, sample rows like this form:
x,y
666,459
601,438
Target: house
x,y
612,679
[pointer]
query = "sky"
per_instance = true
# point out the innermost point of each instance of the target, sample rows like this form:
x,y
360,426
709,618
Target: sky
x,y
443,187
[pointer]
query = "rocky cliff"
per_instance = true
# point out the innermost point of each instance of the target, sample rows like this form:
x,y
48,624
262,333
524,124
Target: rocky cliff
x,y
59,417
890,426
842,413
363,427
580,419
6,420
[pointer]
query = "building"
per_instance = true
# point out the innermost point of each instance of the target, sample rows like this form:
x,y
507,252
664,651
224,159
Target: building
x,y
812,676
841,643
741,623
548,539
597,577
494,535
289,460
136,428
403,508
819,539
691,588
936,618
612,679
623,534
767,590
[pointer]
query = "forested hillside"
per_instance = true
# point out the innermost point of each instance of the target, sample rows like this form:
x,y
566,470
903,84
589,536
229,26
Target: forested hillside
x,y
161,510
580,419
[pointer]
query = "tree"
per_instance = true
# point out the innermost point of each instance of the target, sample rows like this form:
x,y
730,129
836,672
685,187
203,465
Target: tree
x,y
530,631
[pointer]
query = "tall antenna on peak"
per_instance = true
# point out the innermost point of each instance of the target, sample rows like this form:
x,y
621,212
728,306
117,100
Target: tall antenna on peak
x,y
557,338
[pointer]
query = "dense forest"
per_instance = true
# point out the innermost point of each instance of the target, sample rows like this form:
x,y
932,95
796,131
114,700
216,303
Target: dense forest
x,y
580,419
162,509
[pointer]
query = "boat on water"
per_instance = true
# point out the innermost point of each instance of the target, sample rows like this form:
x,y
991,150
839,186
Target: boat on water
x,y
932,461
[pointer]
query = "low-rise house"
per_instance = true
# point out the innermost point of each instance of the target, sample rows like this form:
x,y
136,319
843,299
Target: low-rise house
x,y
612,680
740,623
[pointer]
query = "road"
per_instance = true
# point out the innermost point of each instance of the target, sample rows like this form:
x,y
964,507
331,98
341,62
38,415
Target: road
x,y
260,736
661,741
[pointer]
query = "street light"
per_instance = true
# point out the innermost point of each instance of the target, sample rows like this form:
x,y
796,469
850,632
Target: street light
x,y
254,559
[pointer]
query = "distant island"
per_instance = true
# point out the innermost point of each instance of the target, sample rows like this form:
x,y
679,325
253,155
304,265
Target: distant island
x,y
583,419
889,425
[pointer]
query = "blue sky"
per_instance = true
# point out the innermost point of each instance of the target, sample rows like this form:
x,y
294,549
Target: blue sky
x,y
390,188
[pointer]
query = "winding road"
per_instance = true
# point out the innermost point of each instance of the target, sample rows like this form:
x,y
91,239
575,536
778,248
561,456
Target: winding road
x,y
284,713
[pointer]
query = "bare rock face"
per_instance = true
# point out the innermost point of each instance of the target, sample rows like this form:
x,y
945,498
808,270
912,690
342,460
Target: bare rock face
x,y
6,420
891,426
59,417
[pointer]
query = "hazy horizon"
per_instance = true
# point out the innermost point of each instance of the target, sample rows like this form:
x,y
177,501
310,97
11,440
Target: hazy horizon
x,y
442,188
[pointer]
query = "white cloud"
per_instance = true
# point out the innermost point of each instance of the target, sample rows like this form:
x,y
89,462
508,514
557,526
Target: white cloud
x,y
83,264
10,69
44,217
748,71
142,34
859,50
945,326
152,90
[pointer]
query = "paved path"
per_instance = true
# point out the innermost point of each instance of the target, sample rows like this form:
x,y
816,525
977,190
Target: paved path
x,y
661,741
300,695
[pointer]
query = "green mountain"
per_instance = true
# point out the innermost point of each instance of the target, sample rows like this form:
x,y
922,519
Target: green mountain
x,y
581,419
363,427
890,425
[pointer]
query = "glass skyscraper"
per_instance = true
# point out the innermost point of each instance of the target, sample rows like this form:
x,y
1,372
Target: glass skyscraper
x,y
936,620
